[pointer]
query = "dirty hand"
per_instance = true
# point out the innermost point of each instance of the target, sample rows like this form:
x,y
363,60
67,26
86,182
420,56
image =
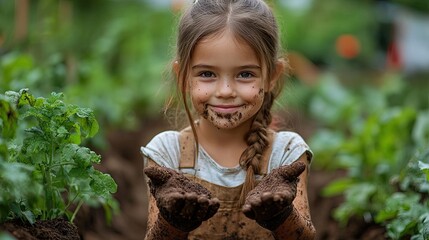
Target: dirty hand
x,y
270,202
183,203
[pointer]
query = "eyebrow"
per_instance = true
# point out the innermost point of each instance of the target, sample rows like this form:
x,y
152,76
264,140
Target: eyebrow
x,y
251,66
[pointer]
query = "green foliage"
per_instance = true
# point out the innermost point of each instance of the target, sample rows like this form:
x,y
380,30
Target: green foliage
x,y
415,5
45,172
380,136
110,49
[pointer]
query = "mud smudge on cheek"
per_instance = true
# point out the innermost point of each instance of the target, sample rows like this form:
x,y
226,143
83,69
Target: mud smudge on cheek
x,y
260,94
205,111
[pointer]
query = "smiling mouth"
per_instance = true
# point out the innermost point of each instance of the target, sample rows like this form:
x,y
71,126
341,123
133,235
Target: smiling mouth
x,y
222,110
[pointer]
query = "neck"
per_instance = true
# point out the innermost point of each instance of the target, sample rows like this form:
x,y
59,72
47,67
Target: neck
x,y
208,132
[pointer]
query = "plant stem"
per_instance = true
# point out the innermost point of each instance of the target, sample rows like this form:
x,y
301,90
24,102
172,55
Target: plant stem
x,y
76,210
71,201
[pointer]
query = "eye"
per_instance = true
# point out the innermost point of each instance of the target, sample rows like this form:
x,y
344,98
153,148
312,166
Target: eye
x,y
246,75
206,74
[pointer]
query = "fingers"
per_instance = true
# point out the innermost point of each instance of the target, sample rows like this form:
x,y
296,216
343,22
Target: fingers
x,y
266,205
248,211
187,206
158,175
203,206
212,209
291,172
191,205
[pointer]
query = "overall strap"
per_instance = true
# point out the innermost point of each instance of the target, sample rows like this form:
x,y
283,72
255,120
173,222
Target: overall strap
x,y
187,149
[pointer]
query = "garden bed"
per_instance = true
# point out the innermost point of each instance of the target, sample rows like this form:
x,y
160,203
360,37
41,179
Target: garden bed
x,y
58,229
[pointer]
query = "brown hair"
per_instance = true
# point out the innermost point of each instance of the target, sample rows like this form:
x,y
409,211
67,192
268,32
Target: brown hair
x,y
254,22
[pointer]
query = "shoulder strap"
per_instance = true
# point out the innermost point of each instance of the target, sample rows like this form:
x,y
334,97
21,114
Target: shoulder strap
x,y
187,148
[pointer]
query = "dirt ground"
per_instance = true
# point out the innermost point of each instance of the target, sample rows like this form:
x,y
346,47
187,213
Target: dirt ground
x,y
58,229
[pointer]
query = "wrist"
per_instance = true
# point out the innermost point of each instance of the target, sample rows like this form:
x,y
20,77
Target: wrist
x,y
278,220
295,226
164,230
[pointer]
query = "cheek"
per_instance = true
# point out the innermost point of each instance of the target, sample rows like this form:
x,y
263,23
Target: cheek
x,y
199,92
256,96
256,100
200,96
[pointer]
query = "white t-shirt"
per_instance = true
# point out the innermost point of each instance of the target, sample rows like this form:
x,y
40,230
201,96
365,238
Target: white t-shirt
x,y
165,151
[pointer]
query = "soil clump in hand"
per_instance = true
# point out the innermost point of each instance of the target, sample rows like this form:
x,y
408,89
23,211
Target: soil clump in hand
x,y
270,202
182,203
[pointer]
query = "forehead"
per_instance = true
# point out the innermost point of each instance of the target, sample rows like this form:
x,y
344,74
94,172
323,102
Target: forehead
x,y
224,46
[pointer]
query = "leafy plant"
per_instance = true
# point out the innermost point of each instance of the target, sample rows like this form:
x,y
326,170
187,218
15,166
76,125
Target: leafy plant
x,y
17,186
380,136
47,153
406,212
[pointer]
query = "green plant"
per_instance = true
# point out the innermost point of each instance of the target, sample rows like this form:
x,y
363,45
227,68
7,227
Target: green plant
x,y
372,155
406,212
17,186
46,154
380,137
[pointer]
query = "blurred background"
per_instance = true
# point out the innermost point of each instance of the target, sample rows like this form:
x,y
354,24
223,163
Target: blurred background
x,y
357,92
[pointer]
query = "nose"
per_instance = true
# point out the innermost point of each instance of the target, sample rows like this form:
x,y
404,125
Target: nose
x,y
226,88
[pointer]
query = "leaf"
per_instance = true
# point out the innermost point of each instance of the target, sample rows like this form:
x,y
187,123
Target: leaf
x,y
82,156
87,121
425,168
337,187
395,204
8,118
103,184
29,216
25,98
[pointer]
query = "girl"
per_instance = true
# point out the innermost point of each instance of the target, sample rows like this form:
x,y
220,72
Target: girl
x,y
228,175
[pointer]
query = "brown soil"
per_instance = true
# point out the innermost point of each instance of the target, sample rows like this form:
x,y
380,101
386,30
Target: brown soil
x,y
164,180
182,202
57,229
278,189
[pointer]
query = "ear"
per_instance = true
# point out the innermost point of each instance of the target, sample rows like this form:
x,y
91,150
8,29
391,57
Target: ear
x,y
278,72
176,68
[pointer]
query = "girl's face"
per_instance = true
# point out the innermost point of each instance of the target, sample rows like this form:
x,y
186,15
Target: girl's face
x,y
226,83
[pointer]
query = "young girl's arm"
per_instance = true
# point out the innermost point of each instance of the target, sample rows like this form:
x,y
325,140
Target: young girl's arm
x,y
157,227
298,225
177,205
279,203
